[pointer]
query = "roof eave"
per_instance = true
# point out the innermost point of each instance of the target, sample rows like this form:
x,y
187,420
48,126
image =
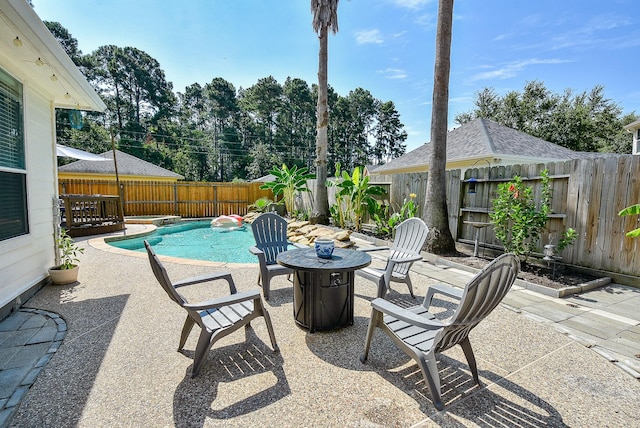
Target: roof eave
x,y
71,90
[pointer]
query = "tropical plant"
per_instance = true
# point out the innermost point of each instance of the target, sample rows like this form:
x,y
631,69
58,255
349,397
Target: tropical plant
x,y
631,210
68,249
385,223
382,220
260,205
325,18
288,181
439,238
354,198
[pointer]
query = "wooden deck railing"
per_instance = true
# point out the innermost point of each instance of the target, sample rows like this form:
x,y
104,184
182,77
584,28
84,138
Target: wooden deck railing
x,y
91,214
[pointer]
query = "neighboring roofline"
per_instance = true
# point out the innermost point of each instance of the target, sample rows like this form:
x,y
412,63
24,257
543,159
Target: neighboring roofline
x,y
32,29
62,175
633,125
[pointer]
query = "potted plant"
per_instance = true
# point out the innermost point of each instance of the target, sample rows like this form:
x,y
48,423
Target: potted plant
x,y
67,271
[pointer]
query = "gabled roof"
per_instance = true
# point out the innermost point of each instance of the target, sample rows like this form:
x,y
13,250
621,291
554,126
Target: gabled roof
x,y
265,179
127,165
482,138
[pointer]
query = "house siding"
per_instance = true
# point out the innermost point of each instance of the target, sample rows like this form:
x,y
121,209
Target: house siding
x,y
24,259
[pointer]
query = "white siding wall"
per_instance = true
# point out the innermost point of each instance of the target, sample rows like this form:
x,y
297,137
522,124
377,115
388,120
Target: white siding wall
x,y
24,260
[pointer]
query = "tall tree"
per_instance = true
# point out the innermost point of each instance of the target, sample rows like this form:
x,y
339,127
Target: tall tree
x,y
390,136
363,113
263,102
296,122
325,18
585,121
66,40
439,238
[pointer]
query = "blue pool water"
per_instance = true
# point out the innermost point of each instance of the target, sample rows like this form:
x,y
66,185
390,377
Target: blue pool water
x,y
197,240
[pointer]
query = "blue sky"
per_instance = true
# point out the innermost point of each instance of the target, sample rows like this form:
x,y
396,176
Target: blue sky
x,y
384,46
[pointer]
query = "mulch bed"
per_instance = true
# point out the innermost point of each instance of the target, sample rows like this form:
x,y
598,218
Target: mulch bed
x,y
530,272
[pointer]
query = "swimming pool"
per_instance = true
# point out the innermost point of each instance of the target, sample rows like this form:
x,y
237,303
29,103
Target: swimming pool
x,y
197,240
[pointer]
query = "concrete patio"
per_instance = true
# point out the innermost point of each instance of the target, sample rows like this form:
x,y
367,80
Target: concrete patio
x,y
543,361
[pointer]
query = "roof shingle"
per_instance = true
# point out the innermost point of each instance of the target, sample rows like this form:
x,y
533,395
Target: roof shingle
x,y
127,165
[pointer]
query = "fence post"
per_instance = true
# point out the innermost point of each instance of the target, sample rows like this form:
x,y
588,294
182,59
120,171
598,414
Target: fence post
x,y
176,210
215,200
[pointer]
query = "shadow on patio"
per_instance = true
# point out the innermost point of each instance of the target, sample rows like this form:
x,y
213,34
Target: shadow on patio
x,y
119,365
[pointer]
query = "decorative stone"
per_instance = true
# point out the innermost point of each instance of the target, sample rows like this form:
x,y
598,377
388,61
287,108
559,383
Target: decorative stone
x,y
342,235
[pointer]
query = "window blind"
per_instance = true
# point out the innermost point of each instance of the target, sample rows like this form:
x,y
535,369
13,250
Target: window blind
x,y
13,184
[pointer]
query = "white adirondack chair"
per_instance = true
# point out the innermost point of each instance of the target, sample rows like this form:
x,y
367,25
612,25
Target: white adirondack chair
x,y
410,237
421,336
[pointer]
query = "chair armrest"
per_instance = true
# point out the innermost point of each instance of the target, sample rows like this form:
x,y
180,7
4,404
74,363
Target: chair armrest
x,y
203,278
402,314
255,250
367,250
224,301
411,257
447,290
298,245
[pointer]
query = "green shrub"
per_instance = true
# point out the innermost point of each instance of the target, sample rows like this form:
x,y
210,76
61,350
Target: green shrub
x,y
516,220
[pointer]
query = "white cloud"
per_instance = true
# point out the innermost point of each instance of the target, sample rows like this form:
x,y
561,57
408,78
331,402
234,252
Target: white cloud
x,y
394,73
411,4
512,69
368,36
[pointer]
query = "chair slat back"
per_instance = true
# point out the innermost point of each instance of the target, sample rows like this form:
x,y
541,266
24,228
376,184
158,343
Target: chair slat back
x,y
161,275
410,236
481,295
270,233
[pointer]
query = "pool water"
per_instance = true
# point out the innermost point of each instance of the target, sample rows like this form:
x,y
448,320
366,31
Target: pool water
x,y
197,240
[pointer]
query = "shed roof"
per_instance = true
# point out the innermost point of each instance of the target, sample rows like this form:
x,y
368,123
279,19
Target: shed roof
x,y
127,165
481,138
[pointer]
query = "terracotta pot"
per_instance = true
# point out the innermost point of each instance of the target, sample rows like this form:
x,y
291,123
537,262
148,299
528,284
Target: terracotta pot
x,y
63,276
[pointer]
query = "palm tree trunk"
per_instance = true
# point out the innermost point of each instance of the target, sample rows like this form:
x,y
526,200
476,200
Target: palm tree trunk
x,y
439,239
320,212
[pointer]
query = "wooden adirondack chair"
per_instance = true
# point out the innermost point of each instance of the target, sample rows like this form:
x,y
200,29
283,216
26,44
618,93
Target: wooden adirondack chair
x,y
410,237
270,233
216,317
421,336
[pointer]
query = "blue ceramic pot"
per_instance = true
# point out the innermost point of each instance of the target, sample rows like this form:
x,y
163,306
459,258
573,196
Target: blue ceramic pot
x,y
324,248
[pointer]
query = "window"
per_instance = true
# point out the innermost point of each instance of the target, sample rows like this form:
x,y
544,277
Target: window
x,y
13,176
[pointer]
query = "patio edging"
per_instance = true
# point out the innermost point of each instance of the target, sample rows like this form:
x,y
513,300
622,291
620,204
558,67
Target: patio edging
x,y
552,292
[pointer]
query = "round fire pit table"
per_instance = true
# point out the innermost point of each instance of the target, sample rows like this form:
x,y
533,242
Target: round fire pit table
x,y
323,288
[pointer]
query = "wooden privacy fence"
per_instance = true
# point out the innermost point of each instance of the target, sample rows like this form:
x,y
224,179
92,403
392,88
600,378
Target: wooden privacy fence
x,y
185,199
587,196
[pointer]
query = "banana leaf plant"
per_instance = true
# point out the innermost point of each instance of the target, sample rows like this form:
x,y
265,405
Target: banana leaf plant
x,y
355,197
632,210
288,182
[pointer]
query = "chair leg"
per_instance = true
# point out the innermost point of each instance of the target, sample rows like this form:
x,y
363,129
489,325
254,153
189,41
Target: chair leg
x,y
375,317
266,284
272,336
186,329
410,285
471,359
202,349
429,368
382,288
